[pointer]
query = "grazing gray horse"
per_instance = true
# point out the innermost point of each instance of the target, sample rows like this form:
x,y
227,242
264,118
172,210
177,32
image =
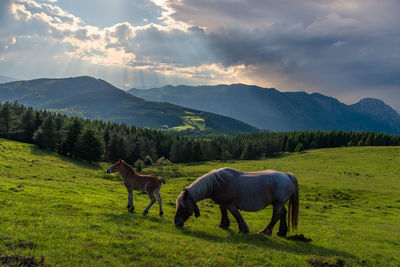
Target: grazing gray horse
x,y
249,191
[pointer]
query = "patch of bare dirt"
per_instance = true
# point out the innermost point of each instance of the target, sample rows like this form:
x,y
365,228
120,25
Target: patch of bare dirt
x,y
19,188
299,237
17,260
322,263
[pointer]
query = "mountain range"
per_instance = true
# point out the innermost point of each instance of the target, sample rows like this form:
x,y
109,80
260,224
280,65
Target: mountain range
x,y
97,99
270,109
228,109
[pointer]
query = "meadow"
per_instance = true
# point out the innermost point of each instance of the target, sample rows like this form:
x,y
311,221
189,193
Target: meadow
x,y
61,212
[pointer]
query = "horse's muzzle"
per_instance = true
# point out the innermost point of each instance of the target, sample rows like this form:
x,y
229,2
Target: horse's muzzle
x,y
178,223
108,171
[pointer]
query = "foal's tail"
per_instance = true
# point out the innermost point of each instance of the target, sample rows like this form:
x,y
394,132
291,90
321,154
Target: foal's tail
x,y
162,181
293,207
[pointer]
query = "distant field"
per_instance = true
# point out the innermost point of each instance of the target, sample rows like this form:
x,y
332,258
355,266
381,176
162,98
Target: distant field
x,y
57,211
190,122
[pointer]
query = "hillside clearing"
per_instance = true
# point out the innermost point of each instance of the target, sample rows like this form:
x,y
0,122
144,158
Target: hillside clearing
x,y
73,213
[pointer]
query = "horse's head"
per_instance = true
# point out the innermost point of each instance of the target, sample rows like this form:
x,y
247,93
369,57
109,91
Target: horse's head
x,y
115,167
185,206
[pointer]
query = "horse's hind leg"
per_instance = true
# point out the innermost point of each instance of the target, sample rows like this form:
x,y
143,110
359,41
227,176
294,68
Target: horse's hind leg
x,y
283,229
158,196
276,214
224,218
130,205
243,228
152,201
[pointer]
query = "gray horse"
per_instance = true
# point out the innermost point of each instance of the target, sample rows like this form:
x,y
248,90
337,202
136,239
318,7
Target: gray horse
x,y
249,191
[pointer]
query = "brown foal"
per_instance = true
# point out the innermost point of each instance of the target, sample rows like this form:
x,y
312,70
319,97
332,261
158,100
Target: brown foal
x,y
150,184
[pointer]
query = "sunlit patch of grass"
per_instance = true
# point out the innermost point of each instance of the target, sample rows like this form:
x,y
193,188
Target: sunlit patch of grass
x,y
190,122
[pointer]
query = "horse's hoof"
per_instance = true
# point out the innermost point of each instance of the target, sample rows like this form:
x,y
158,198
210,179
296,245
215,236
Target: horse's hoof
x,y
144,213
161,213
131,209
244,231
223,226
281,234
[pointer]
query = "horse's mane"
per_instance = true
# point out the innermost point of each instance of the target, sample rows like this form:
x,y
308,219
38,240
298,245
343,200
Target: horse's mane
x,y
129,166
200,188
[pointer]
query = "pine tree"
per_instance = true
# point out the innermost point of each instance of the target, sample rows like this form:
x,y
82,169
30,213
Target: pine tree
x,y
249,153
370,140
47,136
187,152
90,146
74,130
290,145
117,148
176,152
7,120
135,151
197,155
27,125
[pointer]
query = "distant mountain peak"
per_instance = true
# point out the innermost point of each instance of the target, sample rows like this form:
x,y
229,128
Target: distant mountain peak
x,y
376,108
270,109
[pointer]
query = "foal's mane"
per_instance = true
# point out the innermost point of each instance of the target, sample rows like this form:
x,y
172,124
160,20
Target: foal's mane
x,y
127,165
200,188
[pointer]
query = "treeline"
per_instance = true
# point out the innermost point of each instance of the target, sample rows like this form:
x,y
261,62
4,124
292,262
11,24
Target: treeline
x,y
95,140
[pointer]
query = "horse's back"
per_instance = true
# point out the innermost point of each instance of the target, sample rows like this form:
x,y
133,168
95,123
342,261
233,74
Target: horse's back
x,y
254,190
149,183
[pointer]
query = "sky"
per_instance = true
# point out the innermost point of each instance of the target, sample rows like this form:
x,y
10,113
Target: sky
x,y
348,49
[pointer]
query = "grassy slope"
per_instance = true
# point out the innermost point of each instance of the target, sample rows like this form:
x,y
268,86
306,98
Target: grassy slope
x,y
75,215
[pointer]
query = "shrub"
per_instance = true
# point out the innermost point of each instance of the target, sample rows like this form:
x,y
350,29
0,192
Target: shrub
x,y
299,147
163,161
350,143
139,164
148,160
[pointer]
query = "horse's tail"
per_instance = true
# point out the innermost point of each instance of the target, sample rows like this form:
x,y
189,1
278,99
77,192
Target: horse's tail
x,y
162,181
293,207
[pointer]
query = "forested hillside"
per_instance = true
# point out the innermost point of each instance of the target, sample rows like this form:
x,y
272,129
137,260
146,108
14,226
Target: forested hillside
x,y
95,140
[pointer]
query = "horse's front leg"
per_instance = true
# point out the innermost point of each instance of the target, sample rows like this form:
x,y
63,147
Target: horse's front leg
x,y
224,218
243,228
130,205
275,217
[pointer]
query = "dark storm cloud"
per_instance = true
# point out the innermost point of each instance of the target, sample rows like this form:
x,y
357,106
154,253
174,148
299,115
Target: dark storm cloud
x,y
330,44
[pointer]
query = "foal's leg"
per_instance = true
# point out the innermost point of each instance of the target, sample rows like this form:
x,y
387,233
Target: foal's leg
x,y
152,201
275,217
224,218
130,206
283,226
243,228
158,196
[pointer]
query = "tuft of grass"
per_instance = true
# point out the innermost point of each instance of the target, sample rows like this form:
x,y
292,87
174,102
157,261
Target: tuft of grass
x,y
57,211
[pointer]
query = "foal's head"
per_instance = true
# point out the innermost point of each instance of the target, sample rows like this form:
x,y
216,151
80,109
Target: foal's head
x,y
185,206
116,166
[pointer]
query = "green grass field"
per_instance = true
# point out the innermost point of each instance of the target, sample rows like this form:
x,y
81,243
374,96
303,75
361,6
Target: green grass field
x,y
57,211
